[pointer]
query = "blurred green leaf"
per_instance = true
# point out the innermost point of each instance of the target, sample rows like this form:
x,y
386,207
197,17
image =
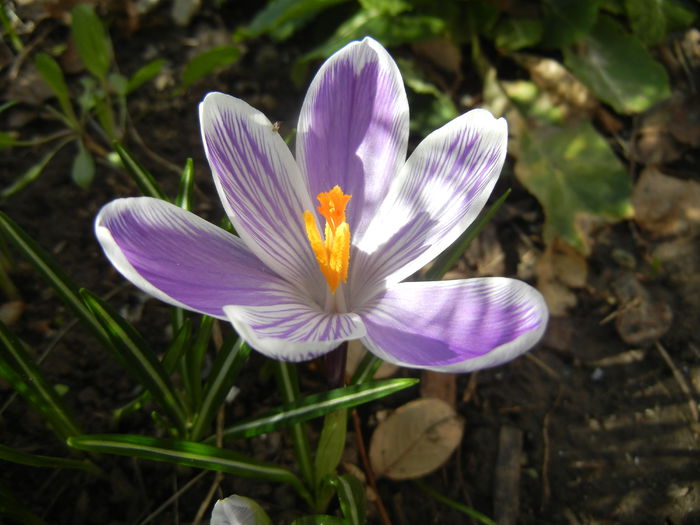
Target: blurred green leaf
x,y
208,62
389,7
313,406
517,33
439,112
282,18
389,30
19,369
36,460
319,519
618,69
567,21
51,72
119,83
83,168
13,509
651,20
33,173
186,453
574,174
144,74
139,359
351,494
91,40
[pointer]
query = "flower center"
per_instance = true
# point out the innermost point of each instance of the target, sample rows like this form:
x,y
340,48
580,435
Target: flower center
x,y
333,252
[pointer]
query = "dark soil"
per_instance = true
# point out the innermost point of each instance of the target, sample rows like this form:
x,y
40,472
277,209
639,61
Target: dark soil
x,y
608,433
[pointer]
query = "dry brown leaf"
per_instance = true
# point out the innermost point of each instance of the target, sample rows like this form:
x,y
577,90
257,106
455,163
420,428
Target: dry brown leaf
x,y
641,318
415,440
666,205
441,52
560,269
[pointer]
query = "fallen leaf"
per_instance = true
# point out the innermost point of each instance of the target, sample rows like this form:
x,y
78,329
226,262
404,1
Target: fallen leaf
x,y
641,317
576,177
666,205
560,269
415,440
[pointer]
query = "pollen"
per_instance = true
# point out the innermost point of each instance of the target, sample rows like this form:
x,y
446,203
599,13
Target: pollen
x,y
332,251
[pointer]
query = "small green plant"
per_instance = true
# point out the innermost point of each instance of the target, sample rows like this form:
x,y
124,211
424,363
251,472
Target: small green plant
x,y
98,116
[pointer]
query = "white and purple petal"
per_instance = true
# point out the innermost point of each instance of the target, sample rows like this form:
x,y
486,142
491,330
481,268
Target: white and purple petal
x,y
438,193
455,326
261,187
353,128
182,259
294,328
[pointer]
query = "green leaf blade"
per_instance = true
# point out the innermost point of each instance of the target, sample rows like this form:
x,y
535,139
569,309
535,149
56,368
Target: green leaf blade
x,y
91,40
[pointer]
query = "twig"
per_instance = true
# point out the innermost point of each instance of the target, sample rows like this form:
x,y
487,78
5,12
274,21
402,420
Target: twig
x,y
680,379
368,469
506,498
546,490
174,497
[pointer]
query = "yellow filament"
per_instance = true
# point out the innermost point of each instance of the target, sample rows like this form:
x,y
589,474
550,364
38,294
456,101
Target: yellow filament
x,y
333,252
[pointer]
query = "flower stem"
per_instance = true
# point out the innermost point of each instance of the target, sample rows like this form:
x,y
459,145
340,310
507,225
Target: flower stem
x,y
334,363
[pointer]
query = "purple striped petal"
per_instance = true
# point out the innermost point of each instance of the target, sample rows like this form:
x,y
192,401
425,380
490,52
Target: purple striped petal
x,y
295,328
455,326
182,259
439,192
353,128
261,187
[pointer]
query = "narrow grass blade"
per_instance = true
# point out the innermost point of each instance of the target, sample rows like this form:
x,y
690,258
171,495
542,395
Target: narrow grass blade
x,y
447,259
186,453
366,369
351,495
170,360
192,371
53,274
142,177
36,460
140,360
184,192
33,173
316,405
13,509
225,370
475,514
288,387
17,367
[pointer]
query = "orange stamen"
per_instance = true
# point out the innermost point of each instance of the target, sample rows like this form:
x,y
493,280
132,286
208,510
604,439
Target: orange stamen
x,y
333,252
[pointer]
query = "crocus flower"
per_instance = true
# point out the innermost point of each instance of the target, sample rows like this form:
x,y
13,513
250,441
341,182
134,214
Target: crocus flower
x,y
300,279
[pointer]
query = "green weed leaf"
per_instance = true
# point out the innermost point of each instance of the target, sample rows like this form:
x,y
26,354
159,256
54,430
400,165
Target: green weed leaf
x,y
51,72
144,74
618,69
282,18
574,174
567,21
91,40
83,169
208,62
